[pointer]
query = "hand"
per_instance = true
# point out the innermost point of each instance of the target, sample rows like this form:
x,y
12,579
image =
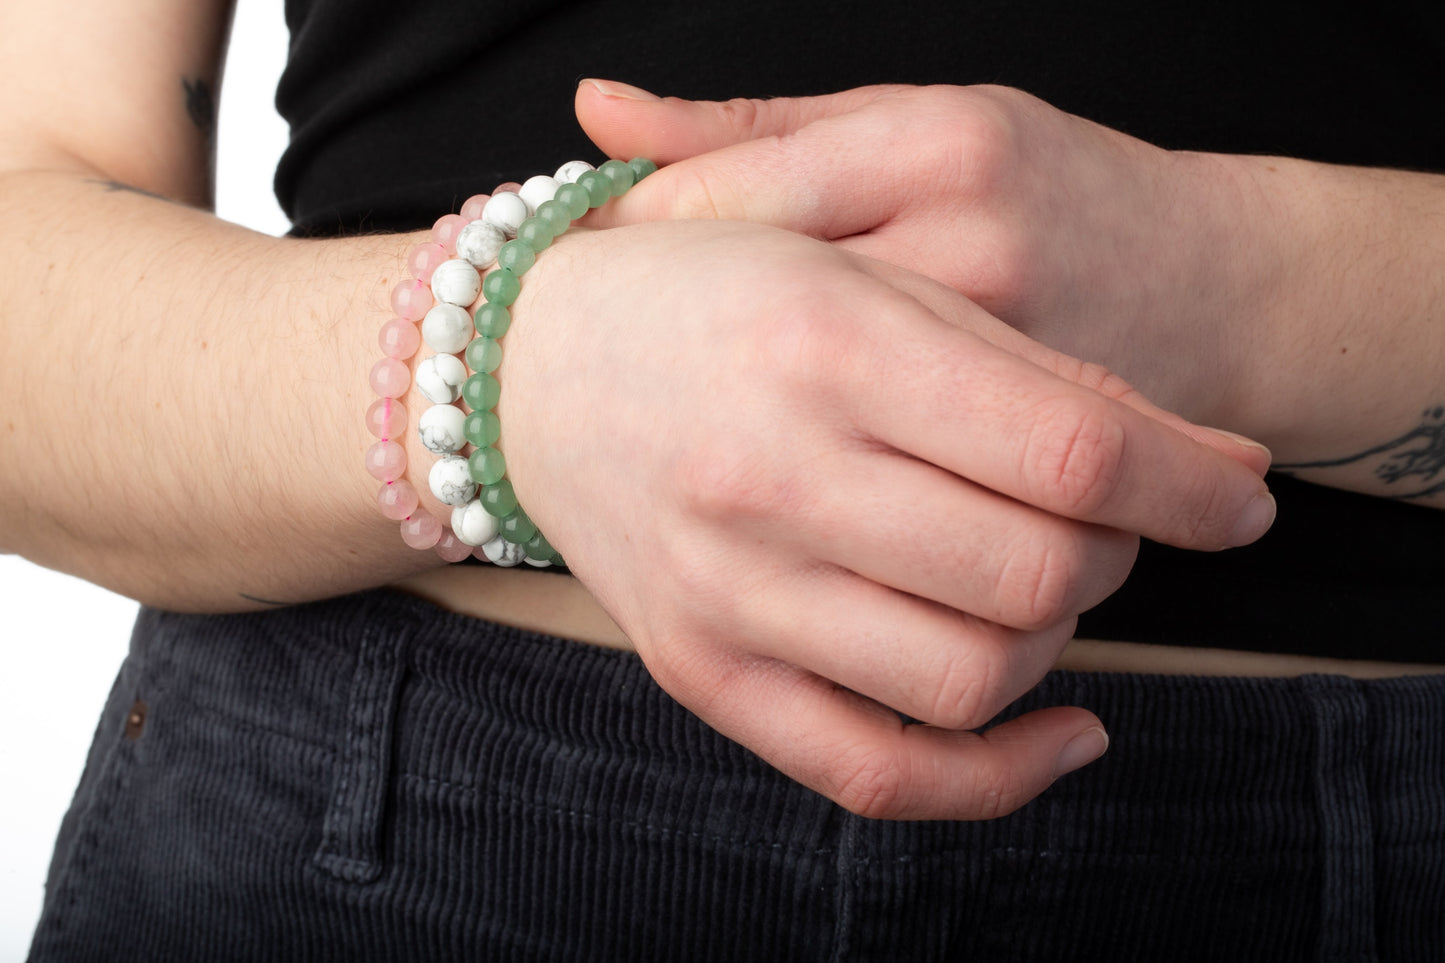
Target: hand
x,y
817,491
1088,240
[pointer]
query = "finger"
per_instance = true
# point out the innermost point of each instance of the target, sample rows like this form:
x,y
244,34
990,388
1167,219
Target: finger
x,y
862,756
626,121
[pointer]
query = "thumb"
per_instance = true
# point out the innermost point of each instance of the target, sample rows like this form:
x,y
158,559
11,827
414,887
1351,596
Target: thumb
x,y
626,121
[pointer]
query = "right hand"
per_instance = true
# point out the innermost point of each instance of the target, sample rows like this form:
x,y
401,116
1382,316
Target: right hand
x,y
817,491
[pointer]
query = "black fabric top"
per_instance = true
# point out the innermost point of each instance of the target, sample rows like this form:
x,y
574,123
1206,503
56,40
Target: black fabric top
x,y
399,112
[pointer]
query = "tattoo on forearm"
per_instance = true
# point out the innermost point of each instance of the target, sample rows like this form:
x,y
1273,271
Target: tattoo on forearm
x,y
200,105
1413,460
260,601
112,187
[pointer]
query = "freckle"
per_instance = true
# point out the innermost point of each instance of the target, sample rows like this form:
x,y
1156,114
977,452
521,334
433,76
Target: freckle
x,y
1344,351
204,346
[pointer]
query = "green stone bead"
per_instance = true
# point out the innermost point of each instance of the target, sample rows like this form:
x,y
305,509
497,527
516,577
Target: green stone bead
x,y
539,548
575,199
597,186
620,174
517,257
481,392
517,528
501,287
537,233
499,500
487,466
484,355
642,167
482,428
555,213
492,320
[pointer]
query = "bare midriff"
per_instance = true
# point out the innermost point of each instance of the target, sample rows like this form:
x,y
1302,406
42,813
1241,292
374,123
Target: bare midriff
x,y
561,606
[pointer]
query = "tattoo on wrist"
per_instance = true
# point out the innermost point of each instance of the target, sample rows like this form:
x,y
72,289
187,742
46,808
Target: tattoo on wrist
x,y
112,187
201,106
260,601
1415,461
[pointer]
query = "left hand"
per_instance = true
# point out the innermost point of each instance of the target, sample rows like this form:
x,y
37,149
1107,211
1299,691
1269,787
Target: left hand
x,y
1093,242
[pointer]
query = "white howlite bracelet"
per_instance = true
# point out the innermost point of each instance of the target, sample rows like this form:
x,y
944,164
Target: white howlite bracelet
x,y
502,236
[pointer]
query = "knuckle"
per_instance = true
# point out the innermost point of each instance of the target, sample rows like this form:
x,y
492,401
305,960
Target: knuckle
x,y
743,114
696,193
872,785
1075,457
964,692
1038,584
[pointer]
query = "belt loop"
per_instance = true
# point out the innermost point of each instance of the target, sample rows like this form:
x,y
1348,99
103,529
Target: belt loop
x,y
350,847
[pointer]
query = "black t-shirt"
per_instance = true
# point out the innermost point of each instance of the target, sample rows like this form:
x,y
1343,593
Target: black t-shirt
x,y
401,111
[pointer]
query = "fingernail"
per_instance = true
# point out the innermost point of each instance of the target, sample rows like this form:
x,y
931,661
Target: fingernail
x,y
1081,750
1243,441
1254,521
611,88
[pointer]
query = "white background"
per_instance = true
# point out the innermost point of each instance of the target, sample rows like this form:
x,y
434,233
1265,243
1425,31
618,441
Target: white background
x,y
61,640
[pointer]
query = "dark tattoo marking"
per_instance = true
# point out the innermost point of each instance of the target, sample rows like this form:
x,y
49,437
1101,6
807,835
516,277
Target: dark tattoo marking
x,y
112,187
261,601
201,106
1417,454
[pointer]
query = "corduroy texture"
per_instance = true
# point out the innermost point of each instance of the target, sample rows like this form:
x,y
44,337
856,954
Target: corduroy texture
x,y
369,779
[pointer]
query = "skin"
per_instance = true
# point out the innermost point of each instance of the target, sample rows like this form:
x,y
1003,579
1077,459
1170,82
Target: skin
x,y
782,576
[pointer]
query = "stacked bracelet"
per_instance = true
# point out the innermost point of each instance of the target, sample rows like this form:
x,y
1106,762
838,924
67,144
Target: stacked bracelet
x,y
507,230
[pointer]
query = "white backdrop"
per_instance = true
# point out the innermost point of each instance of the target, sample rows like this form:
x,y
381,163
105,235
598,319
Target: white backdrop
x,y
55,673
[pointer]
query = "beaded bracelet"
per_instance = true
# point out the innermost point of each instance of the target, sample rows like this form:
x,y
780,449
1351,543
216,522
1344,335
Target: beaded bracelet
x,y
507,229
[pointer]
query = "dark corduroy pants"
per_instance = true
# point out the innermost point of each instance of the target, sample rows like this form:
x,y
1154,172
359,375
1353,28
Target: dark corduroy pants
x,y
371,779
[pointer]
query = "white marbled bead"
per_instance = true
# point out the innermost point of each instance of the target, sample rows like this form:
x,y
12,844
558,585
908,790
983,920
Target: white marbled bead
x,y
501,552
479,243
456,282
537,562
450,481
570,171
440,378
472,524
537,190
442,429
506,212
447,329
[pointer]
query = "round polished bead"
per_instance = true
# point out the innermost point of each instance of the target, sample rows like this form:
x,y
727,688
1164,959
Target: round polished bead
x,y
620,175
390,378
449,548
501,552
421,531
473,206
482,428
447,328
501,287
517,527
399,338
423,260
479,243
570,171
446,229
574,198
535,190
555,213
598,187
472,524
537,233
484,355
537,547
397,500
500,499
440,378
536,562
450,481
481,392
518,256
442,429
385,461
386,418
487,466
505,211
492,320
456,282
411,299
642,167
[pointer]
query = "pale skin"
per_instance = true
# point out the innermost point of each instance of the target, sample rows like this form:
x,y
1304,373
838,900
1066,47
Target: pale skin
x,y
753,496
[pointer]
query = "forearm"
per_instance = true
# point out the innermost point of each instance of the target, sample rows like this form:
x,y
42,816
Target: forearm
x,y
187,426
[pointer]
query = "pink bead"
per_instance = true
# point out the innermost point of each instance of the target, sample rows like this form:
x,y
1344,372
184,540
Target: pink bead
x,y
472,209
452,549
390,378
511,187
386,460
399,338
423,260
397,500
421,531
446,229
411,299
386,418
